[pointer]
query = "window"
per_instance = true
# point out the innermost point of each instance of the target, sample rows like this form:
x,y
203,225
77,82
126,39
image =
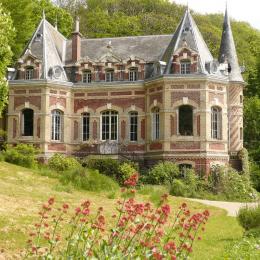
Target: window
x,y
109,125
133,126
29,73
183,167
241,133
56,117
133,74
27,122
85,126
109,75
186,120
216,123
185,67
156,123
86,77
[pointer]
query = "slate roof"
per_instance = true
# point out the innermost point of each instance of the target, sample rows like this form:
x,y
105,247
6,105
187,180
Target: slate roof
x,y
228,52
189,32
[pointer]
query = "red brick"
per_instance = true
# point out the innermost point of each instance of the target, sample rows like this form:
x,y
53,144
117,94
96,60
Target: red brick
x,y
57,147
156,146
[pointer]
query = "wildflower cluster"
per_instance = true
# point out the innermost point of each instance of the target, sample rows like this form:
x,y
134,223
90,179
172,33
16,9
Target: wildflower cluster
x,y
138,231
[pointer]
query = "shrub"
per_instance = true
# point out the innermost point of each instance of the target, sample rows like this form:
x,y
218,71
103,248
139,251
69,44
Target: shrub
x,y
178,188
254,232
59,162
229,182
21,154
243,156
249,217
107,166
125,170
255,176
163,173
90,180
191,180
136,231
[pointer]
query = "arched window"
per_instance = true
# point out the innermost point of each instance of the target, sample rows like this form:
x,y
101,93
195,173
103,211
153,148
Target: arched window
x,y
216,125
109,75
133,118
186,120
56,130
109,125
133,74
27,122
85,126
185,67
156,123
29,73
86,76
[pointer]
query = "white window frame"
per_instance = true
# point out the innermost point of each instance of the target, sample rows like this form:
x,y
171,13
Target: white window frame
x,y
29,73
109,75
133,126
185,67
133,74
216,123
86,77
56,125
156,124
85,134
110,114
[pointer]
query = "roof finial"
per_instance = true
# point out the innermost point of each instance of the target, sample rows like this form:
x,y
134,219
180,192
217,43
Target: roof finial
x,y
77,24
43,14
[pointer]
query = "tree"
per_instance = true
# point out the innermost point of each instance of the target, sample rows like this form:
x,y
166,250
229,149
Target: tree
x,y
6,37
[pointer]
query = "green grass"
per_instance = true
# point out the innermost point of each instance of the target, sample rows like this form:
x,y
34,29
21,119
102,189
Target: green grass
x,y
22,192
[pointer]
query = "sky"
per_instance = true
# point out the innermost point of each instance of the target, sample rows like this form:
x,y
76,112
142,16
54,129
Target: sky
x,y
240,10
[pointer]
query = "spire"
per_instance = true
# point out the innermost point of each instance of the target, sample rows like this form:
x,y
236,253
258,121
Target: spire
x,y
77,25
43,14
187,34
227,52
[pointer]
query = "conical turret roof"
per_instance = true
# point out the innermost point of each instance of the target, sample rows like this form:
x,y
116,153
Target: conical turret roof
x,y
188,31
227,52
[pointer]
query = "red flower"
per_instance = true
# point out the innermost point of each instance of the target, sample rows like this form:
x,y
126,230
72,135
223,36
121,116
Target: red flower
x,y
166,209
85,211
183,205
85,204
51,201
77,210
132,180
65,206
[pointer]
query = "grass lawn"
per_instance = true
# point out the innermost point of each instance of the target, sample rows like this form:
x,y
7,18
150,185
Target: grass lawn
x,y
23,191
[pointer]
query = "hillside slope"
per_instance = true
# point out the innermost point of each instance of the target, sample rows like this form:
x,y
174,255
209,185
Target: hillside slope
x,y
22,192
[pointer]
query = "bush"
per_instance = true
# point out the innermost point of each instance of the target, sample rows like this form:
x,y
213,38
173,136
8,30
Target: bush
x,y
107,166
255,176
21,154
249,218
125,170
163,173
191,180
178,188
254,232
90,180
59,162
231,184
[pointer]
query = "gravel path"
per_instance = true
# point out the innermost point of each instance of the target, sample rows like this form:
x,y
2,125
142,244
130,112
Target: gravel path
x,y
232,208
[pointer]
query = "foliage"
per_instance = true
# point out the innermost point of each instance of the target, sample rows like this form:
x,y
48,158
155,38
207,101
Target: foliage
x,y
255,175
249,217
178,188
243,156
21,154
163,173
251,127
125,171
6,39
60,162
89,180
156,234
231,184
246,248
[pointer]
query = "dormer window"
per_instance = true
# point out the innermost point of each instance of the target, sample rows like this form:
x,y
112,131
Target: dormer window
x,y
133,74
86,77
29,73
109,75
185,67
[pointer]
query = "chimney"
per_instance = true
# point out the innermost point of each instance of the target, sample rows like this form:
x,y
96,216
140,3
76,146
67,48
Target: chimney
x,y
76,42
